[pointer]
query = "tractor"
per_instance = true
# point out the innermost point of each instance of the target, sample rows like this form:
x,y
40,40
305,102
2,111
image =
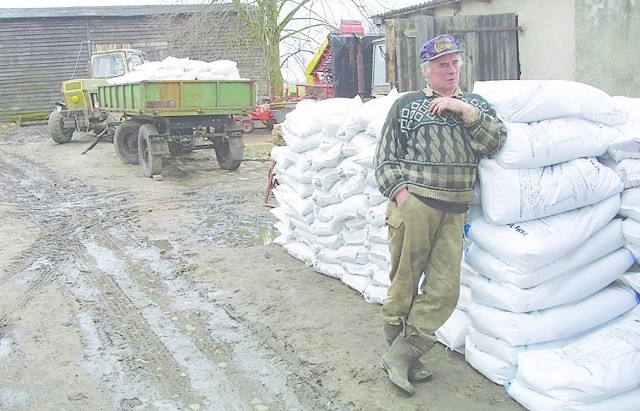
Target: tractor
x,y
79,108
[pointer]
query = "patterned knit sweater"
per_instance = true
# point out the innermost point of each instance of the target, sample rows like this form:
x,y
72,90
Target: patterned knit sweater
x,y
435,156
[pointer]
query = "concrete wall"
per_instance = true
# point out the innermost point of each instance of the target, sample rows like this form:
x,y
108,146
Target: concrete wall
x,y
591,41
608,45
546,42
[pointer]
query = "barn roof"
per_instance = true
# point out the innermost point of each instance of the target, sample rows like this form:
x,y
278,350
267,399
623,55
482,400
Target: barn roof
x,y
422,7
107,11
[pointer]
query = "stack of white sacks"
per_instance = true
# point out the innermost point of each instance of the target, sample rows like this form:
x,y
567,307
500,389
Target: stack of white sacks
x,y
623,155
331,213
545,253
172,68
550,315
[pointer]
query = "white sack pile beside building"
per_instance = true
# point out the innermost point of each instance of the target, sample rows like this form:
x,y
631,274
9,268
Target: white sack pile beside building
x,y
551,237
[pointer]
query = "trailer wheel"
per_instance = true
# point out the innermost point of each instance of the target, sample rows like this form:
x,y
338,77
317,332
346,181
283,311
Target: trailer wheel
x,y
125,140
247,125
223,155
57,130
151,164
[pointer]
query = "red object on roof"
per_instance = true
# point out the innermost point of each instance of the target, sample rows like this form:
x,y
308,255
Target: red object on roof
x,y
351,27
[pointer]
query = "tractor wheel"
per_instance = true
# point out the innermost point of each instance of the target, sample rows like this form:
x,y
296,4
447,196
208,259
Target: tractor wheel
x,y
247,125
149,163
125,140
223,155
57,130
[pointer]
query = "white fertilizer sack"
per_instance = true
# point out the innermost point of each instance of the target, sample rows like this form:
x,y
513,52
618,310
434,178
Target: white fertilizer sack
x,y
603,242
536,401
602,364
548,142
495,369
557,323
630,203
365,158
301,143
464,299
374,129
170,63
516,195
219,66
375,108
631,233
350,208
354,237
632,279
526,101
333,111
628,141
379,276
356,282
530,245
507,352
325,179
329,269
291,202
375,294
566,288
629,170
349,168
453,332
301,251
172,68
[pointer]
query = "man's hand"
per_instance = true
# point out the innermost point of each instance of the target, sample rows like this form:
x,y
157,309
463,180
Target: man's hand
x,y
401,197
441,104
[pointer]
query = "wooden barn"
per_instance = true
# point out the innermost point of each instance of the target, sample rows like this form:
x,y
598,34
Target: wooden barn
x,y
586,41
42,47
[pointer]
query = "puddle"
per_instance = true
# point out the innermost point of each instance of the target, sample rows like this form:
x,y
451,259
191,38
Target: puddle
x,y
244,235
163,245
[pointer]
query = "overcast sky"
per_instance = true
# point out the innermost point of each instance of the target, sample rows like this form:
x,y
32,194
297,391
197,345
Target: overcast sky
x,y
94,3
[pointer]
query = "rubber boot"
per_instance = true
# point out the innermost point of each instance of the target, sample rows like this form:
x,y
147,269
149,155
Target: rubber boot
x,y
391,331
419,372
397,362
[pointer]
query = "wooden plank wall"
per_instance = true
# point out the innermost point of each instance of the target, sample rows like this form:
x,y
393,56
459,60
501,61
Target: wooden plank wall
x,y
490,45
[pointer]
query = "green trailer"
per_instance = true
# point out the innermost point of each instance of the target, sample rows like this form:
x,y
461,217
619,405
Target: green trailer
x,y
176,116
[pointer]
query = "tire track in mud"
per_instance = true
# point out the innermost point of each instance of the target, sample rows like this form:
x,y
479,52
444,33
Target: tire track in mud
x,y
133,305
231,340
17,186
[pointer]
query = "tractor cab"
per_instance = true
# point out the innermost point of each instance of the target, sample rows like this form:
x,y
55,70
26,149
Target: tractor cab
x,y
114,63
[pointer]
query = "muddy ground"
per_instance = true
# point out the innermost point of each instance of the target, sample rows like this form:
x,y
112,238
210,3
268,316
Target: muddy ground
x,y
119,292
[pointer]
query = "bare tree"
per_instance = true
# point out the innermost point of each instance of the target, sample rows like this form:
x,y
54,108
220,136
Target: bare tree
x,y
285,32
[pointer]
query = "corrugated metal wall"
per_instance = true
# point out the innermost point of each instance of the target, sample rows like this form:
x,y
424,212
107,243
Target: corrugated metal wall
x,y
38,53
490,45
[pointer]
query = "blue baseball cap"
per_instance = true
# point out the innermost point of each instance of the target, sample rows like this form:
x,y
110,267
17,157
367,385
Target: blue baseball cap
x,y
437,47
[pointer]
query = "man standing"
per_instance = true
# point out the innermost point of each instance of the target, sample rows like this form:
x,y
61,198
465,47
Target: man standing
x,y
426,164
